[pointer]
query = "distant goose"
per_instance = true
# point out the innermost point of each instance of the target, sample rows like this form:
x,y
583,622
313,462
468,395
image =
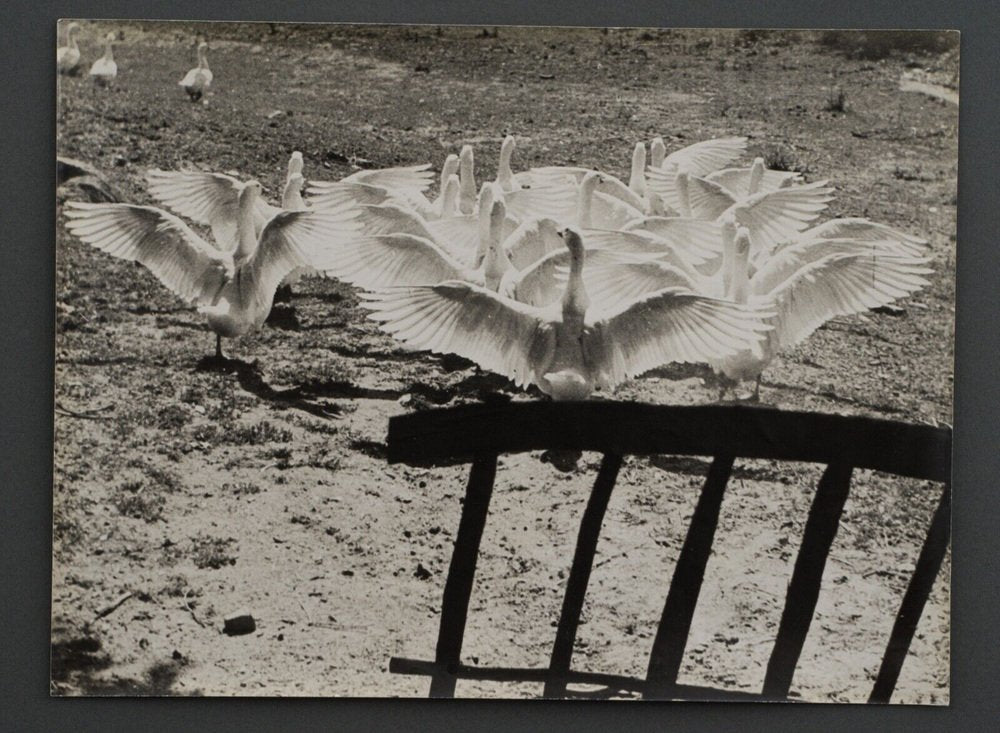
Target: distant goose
x,y
68,56
564,348
104,70
196,81
235,290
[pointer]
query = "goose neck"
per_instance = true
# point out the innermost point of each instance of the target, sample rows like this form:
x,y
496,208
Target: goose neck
x,y
683,195
737,268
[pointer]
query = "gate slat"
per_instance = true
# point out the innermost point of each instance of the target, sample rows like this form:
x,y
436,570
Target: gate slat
x,y
579,575
685,586
461,573
917,592
803,590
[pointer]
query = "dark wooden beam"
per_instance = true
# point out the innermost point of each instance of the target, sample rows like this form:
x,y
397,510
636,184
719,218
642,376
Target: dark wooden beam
x,y
453,435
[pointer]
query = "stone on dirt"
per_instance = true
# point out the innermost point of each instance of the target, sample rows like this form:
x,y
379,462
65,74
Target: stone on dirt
x,y
236,624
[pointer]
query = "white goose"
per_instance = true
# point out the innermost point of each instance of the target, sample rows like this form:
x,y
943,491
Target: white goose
x,y
772,216
68,56
505,176
397,259
744,182
467,180
809,283
209,199
565,348
560,176
698,159
234,289
198,79
403,185
449,169
104,70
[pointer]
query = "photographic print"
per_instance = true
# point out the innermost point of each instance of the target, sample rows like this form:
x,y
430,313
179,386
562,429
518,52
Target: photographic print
x,y
503,362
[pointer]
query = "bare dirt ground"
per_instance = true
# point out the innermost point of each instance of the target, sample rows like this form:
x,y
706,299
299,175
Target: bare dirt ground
x,y
202,493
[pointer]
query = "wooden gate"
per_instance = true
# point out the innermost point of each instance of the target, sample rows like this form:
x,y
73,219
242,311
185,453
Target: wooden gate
x,y
478,433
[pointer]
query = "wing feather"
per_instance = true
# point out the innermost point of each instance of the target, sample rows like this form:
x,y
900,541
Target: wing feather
x,y
184,262
454,317
666,326
837,284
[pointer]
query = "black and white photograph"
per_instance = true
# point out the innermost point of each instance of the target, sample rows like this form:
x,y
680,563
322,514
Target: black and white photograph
x,y
503,362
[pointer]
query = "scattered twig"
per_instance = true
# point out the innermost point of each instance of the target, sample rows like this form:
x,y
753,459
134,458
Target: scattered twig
x,y
308,617
190,609
88,415
108,610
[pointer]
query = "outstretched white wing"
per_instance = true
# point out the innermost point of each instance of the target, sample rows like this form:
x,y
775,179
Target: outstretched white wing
x,y
293,239
778,216
698,240
809,289
336,194
211,199
864,230
166,246
737,180
497,333
702,158
391,260
409,182
666,326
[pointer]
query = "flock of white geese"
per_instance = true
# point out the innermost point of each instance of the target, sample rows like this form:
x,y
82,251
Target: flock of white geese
x,y
105,69
566,278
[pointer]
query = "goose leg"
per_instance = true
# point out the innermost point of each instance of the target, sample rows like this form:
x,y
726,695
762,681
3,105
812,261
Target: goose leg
x,y
218,347
756,390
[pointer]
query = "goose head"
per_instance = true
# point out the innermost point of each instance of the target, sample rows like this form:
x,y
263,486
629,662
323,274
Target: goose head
x,y
108,41
202,59
637,178
71,30
295,163
505,176
449,169
657,152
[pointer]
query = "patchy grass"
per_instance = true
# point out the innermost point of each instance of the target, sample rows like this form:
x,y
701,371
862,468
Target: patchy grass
x,y
212,552
134,499
878,45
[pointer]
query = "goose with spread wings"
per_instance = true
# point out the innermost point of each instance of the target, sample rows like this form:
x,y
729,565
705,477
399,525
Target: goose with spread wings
x,y
565,348
234,288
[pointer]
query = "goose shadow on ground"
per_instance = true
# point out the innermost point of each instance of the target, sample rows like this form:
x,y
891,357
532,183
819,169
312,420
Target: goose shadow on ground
x,y
76,663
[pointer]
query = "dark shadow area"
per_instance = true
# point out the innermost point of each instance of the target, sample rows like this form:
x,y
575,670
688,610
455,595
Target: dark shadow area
x,y
694,466
283,316
250,379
